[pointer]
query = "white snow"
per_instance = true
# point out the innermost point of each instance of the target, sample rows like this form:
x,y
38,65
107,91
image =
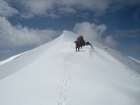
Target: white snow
x,y
54,74
10,59
134,59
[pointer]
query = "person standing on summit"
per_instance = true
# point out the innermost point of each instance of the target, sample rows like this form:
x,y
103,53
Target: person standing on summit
x,y
77,45
81,41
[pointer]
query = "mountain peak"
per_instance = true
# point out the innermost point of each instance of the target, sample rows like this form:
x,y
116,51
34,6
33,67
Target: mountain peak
x,y
54,74
69,36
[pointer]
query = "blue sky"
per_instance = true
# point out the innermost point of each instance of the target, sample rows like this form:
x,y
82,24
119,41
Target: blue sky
x,y
26,24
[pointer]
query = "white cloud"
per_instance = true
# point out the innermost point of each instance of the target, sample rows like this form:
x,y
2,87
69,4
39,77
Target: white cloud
x,y
96,20
44,7
6,10
94,32
37,7
15,36
90,30
66,6
26,15
128,33
109,40
67,10
53,15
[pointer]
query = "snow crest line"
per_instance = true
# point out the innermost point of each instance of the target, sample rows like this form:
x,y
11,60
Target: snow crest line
x,y
65,95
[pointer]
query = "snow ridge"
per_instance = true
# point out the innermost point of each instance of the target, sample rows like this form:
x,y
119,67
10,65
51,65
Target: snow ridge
x,y
65,95
54,74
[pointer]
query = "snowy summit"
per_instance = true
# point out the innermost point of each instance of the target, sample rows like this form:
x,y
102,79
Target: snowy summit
x,y
55,74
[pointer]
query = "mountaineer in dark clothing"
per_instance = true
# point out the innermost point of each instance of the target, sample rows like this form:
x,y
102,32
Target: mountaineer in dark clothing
x,y
77,45
81,41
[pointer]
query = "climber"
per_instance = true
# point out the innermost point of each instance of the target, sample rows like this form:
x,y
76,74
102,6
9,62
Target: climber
x,y
77,45
81,41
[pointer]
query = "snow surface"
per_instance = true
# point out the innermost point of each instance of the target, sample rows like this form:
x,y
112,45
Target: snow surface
x,y
10,59
54,74
134,59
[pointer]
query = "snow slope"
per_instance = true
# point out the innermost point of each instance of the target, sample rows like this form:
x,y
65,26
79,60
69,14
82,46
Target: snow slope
x,y
11,58
134,59
54,74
